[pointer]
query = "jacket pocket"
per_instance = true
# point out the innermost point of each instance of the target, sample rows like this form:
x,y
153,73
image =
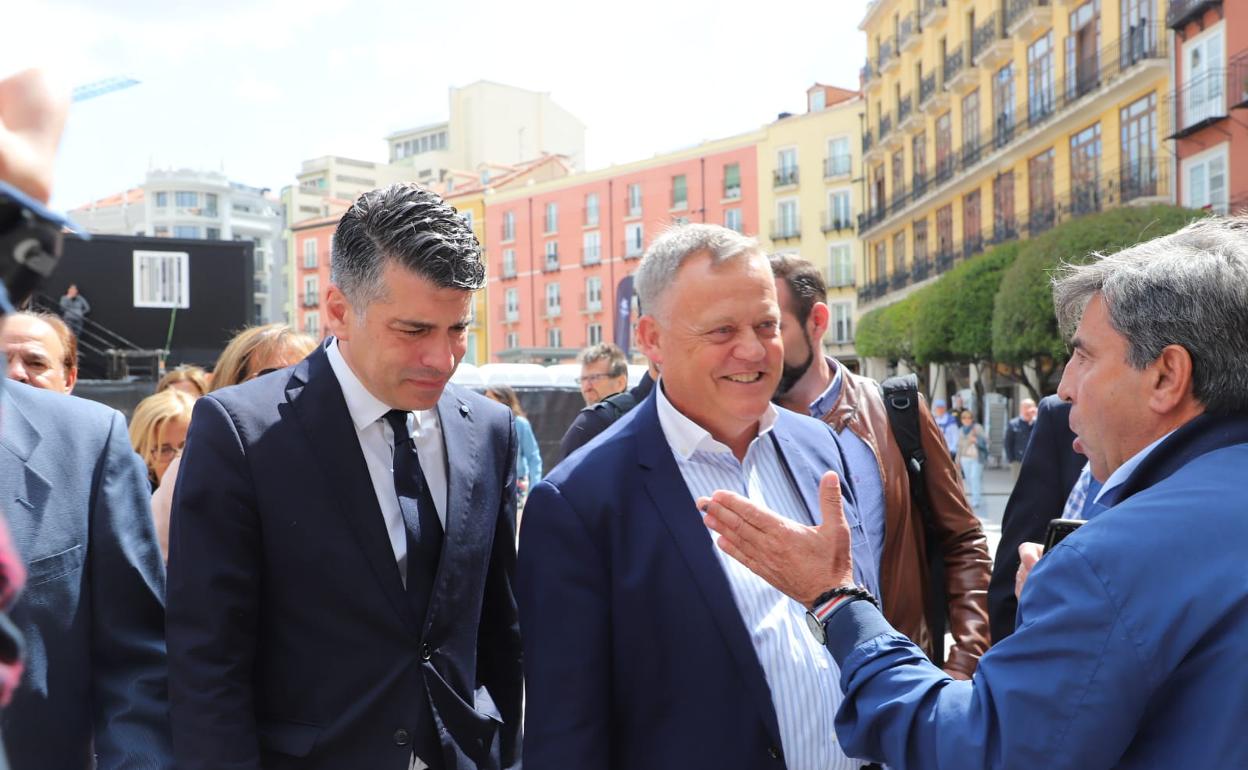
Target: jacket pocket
x,y
294,739
49,568
471,730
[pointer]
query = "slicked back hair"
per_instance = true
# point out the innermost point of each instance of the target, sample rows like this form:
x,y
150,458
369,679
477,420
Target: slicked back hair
x,y
412,227
804,280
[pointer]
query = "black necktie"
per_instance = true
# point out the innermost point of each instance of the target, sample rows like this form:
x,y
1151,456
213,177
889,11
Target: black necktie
x,y
420,517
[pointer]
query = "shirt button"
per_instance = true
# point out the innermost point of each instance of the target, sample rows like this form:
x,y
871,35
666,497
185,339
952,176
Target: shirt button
x,y
402,737
426,652
773,752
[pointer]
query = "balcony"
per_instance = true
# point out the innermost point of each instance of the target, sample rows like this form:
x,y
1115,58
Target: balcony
x,y
959,77
591,255
933,99
888,60
920,270
835,222
509,314
784,176
310,299
551,264
900,279
908,33
591,305
887,140
934,12
909,118
1180,12
900,197
509,270
1208,99
870,77
632,249
786,229
991,47
1024,18
944,259
837,166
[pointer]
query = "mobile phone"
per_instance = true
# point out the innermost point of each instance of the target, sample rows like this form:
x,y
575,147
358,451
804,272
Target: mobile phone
x,y
1058,530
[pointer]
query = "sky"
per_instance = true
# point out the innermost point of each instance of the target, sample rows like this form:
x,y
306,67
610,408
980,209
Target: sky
x,y
254,87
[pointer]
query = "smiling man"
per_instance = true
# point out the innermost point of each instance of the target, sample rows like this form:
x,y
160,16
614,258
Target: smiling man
x,y
645,646
1129,651
342,537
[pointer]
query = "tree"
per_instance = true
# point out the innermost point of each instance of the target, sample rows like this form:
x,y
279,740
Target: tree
x,y
888,332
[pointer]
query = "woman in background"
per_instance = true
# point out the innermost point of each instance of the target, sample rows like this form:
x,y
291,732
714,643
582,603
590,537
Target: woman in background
x,y
158,431
528,455
188,378
253,352
972,453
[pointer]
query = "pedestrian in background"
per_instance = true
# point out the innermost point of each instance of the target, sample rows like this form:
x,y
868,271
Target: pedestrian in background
x,y
948,425
972,453
74,308
528,454
1017,434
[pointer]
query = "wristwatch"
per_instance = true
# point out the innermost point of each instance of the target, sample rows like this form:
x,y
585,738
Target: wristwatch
x,y
817,616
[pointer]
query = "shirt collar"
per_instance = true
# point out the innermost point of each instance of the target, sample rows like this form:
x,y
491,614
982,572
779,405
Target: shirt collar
x,y
822,405
1124,471
364,408
685,436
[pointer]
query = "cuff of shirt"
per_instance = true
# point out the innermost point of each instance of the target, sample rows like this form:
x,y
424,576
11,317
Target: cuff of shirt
x,y
852,624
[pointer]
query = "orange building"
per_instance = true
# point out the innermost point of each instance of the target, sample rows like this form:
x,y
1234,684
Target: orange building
x,y
562,253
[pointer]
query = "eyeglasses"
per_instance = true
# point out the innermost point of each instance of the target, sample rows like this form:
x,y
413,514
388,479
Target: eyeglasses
x,y
592,378
167,451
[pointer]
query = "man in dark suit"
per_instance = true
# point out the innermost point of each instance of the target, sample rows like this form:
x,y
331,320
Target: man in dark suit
x,y
1049,471
78,504
342,539
645,647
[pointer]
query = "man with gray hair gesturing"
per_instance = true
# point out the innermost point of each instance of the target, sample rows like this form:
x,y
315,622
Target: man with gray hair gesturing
x,y
644,646
1129,650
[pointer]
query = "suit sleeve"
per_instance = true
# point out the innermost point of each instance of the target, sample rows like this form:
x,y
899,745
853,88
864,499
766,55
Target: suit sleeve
x,y
129,665
1011,436
498,636
563,591
1065,691
1037,497
963,546
214,582
588,424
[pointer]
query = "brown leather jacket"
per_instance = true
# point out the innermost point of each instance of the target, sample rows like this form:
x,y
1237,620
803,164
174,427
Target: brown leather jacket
x,y
903,566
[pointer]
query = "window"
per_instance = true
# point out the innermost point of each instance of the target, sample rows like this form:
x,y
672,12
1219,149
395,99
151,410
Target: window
x,y
554,304
787,224
634,240
591,248
732,219
972,224
838,163
184,199
511,305
591,210
213,233
161,231
786,167
309,253
970,127
509,226
920,241
552,217
312,323
944,147
680,193
185,231
311,291
162,279
1204,69
593,334
899,178
840,265
899,253
1083,46
1040,78
634,200
1003,226
1205,180
1003,105
162,200
1085,170
210,204
881,261
554,337
1139,148
818,100
552,255
1040,193
918,157
512,340
840,210
944,232
732,181
842,320
593,294
509,263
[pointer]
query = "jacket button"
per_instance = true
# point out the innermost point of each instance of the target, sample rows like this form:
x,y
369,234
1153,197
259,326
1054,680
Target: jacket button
x,y
402,737
426,652
773,752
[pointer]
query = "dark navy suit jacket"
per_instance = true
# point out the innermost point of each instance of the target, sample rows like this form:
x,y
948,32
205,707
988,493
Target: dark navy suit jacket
x,y
78,503
292,642
635,653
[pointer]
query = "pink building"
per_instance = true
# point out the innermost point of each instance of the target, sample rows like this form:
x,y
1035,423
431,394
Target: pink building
x,y
310,263
562,253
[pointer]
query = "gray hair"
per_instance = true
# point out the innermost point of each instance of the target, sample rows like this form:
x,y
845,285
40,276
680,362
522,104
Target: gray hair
x,y
617,362
1190,289
669,251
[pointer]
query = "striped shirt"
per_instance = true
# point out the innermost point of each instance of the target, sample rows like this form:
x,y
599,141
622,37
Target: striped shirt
x,y
802,677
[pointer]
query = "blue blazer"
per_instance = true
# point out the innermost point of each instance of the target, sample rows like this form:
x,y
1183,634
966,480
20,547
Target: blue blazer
x,y
79,505
292,643
635,653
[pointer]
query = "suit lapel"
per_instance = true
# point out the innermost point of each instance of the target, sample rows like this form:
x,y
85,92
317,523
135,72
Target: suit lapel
x,y
28,488
670,495
461,442
316,397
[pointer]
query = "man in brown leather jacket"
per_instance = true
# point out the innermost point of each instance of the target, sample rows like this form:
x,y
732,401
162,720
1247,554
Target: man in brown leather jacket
x,y
822,387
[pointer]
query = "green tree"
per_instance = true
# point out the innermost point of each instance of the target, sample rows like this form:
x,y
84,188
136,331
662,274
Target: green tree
x,y
955,311
888,332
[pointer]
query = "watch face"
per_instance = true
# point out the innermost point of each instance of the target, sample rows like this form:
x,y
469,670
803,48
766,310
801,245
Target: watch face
x,y
816,628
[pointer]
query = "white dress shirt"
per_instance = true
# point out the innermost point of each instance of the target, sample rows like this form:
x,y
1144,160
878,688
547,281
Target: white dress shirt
x,y
377,444
802,677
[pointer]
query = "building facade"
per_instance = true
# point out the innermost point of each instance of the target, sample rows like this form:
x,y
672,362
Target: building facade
x,y
809,201
1209,103
990,120
562,253
190,204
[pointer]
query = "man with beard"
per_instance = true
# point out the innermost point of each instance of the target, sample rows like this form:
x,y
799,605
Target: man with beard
x,y
822,387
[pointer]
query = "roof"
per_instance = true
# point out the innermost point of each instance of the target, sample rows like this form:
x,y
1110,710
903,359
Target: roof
x,y
511,174
835,94
309,224
128,197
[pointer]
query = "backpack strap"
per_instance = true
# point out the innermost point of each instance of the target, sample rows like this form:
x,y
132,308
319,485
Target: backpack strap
x,y
618,404
901,398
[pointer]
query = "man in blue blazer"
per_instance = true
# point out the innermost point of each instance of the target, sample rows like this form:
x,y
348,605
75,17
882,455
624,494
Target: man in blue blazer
x,y
342,538
643,647
78,504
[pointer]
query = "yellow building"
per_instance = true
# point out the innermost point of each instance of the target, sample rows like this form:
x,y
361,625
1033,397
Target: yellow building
x,y
990,120
809,198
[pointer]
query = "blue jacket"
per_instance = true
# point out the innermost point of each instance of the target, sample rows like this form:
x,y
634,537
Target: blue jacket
x,y
1129,651
635,653
529,458
78,503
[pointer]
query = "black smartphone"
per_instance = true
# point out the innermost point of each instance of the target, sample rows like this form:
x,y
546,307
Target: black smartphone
x,y
1058,530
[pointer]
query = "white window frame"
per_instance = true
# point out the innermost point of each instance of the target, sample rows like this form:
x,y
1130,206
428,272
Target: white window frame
x,y
595,208
634,191
552,255
512,341
311,286
783,227
554,299
841,329
1206,98
309,254
509,263
1220,152
511,305
509,226
731,214
847,195
554,337
591,247
551,221
593,334
312,323
146,294
634,247
593,293
840,272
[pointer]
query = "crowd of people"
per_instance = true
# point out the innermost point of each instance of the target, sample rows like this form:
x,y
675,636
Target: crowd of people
x,y
748,560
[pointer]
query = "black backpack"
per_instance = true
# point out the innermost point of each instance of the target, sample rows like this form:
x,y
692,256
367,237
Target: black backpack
x,y
901,398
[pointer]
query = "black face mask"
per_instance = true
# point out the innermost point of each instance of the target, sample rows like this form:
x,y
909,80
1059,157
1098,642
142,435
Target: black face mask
x,y
791,374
